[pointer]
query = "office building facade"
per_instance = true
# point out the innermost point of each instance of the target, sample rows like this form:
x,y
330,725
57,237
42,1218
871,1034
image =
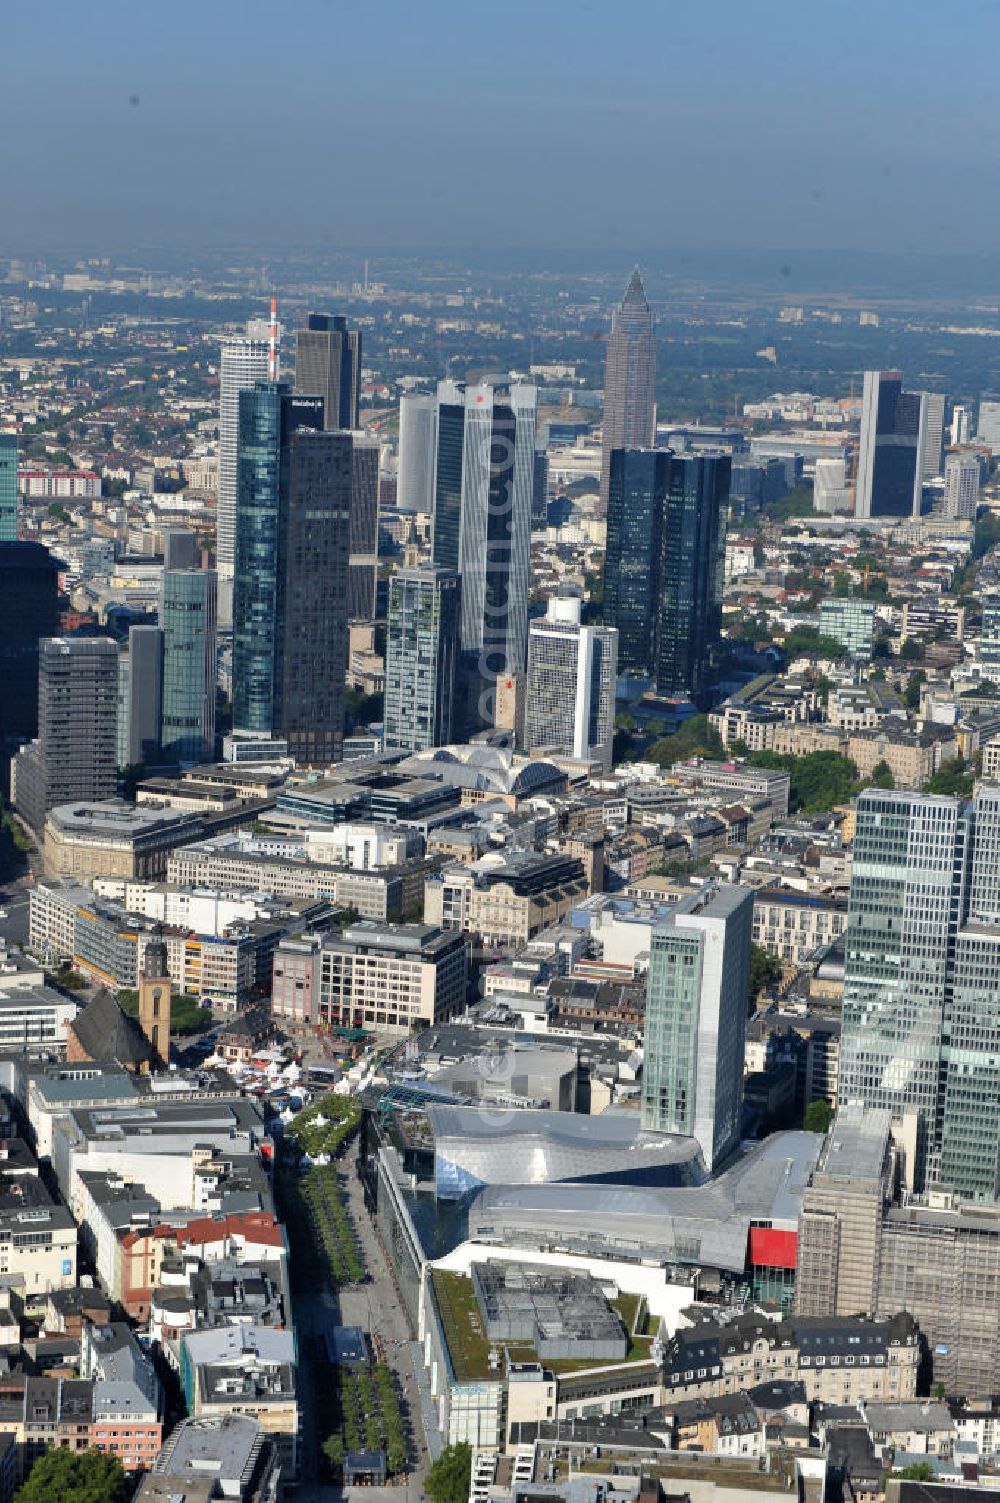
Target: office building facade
x,y
696,1007
933,447
29,588
242,363
290,639
8,487
692,569
988,426
74,755
891,450
421,655
363,528
665,565
637,500
484,476
961,487
417,438
328,365
960,425
188,622
572,671
629,380
921,1036
852,623
140,697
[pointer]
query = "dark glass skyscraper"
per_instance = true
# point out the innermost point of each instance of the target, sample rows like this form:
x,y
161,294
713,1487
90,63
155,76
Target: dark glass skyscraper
x,y
29,589
290,634
629,379
891,448
663,568
637,500
328,365
447,513
692,559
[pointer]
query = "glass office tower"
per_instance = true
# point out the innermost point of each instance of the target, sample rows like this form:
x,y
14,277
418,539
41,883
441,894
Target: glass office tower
x,y
891,448
421,654
290,633
328,365
636,505
664,565
692,566
8,487
482,527
921,1030
188,623
696,1008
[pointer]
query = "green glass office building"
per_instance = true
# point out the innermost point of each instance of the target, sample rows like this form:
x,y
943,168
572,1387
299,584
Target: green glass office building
x,y
8,488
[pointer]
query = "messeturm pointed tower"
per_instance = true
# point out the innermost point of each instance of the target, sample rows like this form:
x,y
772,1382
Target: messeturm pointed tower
x,y
629,379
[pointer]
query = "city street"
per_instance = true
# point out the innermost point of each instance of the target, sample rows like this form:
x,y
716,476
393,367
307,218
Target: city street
x,y
376,1308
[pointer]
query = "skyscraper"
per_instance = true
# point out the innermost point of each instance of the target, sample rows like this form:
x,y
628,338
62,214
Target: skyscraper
x,y
961,486
572,670
188,622
482,528
629,380
959,426
242,363
140,697
363,528
692,567
921,1031
933,448
29,590
890,454
421,654
290,638
637,500
988,426
328,365
417,430
696,1008
8,487
540,489
180,549
74,754
830,489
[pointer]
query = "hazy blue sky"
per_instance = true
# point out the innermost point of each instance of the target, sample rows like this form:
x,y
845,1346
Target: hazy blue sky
x,y
648,123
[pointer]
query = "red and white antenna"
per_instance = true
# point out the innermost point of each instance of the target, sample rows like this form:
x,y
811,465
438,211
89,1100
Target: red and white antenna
x,y
272,342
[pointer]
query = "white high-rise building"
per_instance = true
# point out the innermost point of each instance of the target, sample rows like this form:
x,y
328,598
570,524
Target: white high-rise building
x,y
933,433
961,486
988,431
696,1010
960,425
243,361
571,684
417,442
830,490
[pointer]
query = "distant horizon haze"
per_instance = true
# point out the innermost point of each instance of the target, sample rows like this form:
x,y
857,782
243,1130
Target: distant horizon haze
x,y
590,125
